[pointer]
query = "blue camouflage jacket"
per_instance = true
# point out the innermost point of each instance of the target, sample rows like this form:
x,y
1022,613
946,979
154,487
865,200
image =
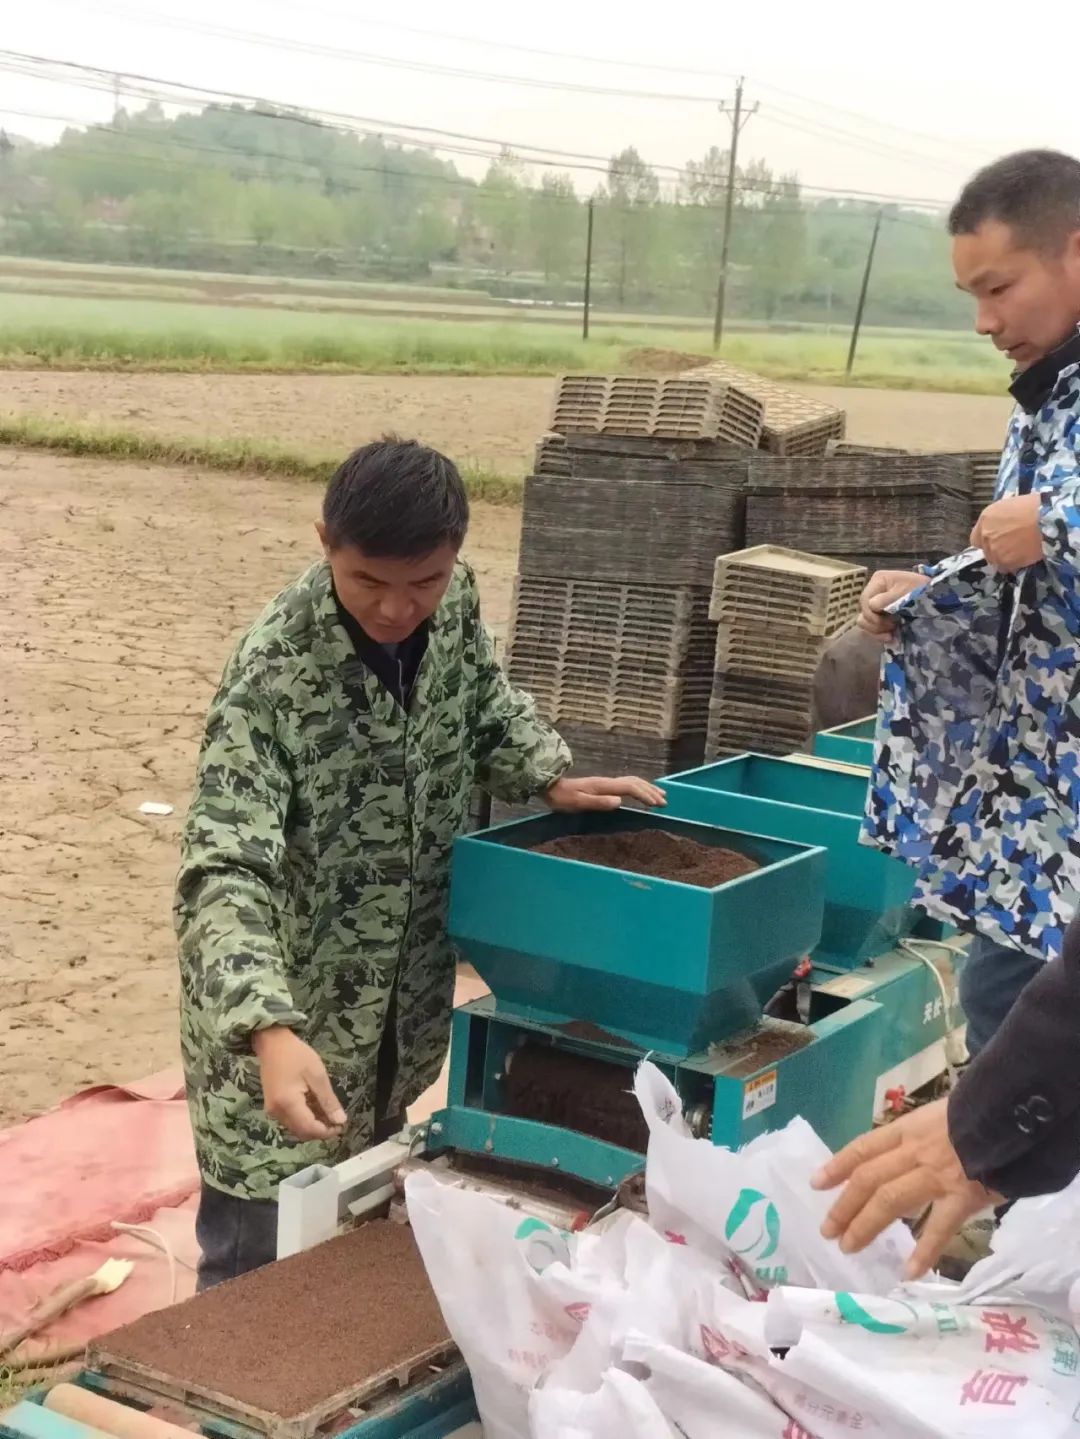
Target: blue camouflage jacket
x,y
976,780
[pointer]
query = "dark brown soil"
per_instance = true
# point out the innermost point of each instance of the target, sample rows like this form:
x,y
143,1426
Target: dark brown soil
x,y
574,1092
763,1047
656,853
288,1337
565,1189
593,1034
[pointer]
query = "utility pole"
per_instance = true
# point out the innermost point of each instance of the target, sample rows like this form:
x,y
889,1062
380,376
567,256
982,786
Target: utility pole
x,y
116,97
588,271
738,120
861,306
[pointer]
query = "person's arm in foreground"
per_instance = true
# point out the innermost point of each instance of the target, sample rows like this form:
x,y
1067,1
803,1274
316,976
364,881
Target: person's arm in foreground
x,y
518,756
228,905
1010,1129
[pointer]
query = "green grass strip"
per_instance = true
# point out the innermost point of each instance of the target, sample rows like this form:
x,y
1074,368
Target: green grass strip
x,y
239,456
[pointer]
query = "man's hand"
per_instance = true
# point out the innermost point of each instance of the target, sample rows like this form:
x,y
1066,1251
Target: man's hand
x,y
1008,533
296,1087
572,796
885,587
895,1172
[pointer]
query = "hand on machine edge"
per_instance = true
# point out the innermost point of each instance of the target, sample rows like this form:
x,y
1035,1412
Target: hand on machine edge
x,y
296,1087
896,1171
885,587
572,796
1008,533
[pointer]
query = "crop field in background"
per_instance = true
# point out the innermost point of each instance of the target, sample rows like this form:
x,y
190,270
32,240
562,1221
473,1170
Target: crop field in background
x,y
78,317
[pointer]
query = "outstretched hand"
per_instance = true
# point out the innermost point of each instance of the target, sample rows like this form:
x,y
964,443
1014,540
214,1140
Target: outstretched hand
x,y
574,796
896,1171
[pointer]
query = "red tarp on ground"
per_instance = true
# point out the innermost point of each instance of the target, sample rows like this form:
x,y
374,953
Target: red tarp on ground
x,y
107,1153
112,1153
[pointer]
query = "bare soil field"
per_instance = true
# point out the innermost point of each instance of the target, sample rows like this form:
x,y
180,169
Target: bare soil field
x,y
122,588
492,422
121,591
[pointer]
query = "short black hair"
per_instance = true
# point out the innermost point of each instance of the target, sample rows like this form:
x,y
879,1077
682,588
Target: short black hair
x,y
1035,192
396,498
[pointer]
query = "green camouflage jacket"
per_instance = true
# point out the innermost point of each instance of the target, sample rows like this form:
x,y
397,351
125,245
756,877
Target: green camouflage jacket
x,y
315,864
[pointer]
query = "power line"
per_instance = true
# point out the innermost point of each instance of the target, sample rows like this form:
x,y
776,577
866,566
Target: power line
x,y
656,67
793,121
873,120
183,93
393,62
488,43
324,119
173,142
362,57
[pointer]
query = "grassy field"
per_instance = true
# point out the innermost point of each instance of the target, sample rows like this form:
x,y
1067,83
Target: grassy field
x,y
122,331
246,455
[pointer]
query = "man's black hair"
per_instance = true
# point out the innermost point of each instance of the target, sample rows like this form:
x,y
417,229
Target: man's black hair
x,y
396,498
1035,192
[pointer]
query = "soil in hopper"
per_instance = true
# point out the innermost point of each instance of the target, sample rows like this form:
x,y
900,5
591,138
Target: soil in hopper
x,y
656,853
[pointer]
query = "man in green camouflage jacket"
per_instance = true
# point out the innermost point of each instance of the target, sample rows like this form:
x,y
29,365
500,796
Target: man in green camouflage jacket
x,y
351,724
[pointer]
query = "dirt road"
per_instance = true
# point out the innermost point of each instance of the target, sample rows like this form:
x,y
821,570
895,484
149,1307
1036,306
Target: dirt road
x,y
493,422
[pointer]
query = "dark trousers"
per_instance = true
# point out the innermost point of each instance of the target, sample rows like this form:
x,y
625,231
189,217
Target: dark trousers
x,y
237,1235
991,979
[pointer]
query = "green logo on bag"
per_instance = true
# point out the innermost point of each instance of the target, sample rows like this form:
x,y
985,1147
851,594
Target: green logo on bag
x,y
753,1226
851,1311
542,1244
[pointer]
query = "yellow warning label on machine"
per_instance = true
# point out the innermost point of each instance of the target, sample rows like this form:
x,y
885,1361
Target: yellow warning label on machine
x,y
759,1094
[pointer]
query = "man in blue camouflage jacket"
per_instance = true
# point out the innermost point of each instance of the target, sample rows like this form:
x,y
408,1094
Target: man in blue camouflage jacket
x,y
977,780
351,724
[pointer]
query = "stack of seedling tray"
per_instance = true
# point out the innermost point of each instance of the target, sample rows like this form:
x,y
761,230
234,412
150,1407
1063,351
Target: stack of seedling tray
x,y
665,529
795,424
551,457
638,488
776,612
631,659
983,464
676,407
849,448
869,509
984,475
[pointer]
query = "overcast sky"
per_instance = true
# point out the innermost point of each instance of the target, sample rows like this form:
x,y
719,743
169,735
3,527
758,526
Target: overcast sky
x,y
851,96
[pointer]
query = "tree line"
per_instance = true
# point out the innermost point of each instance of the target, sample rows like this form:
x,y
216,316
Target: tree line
x,y
241,189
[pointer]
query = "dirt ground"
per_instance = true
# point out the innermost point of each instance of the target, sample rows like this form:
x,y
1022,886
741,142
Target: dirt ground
x,y
121,591
492,422
122,588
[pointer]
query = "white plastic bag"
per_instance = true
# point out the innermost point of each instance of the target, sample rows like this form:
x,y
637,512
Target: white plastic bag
x,y
918,1367
621,1408
1035,1255
485,1263
702,1400
754,1210
645,1330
